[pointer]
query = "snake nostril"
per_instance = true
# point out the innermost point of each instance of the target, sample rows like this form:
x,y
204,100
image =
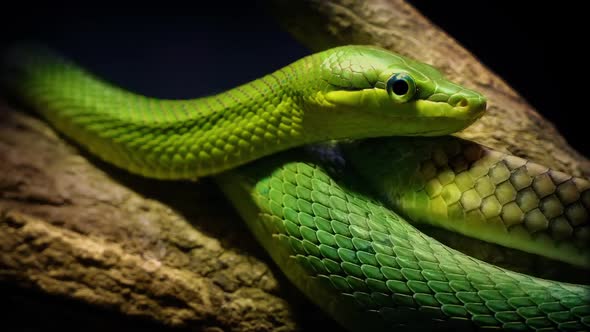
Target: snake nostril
x,y
462,102
459,100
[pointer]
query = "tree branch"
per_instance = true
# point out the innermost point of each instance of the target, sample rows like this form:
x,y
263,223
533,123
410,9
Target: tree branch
x,y
172,252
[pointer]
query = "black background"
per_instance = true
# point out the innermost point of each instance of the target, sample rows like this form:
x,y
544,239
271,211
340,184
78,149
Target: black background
x,y
175,50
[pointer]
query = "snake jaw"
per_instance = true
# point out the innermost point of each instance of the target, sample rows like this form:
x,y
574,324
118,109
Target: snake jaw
x,y
419,117
465,109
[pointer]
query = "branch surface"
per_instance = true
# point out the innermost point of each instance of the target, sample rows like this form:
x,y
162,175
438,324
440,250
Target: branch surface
x,y
171,252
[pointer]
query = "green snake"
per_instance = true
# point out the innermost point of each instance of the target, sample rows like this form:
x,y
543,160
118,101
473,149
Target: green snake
x,y
333,218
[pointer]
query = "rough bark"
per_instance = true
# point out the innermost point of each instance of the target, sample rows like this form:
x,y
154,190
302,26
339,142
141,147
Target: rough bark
x,y
174,252
510,124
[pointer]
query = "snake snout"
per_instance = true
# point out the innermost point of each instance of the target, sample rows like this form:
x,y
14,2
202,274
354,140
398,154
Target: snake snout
x,y
468,102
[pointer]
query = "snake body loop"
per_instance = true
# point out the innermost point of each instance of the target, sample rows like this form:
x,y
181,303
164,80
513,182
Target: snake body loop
x,y
323,224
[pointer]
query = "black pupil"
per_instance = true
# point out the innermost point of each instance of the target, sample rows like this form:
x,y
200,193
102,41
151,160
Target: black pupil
x,y
400,87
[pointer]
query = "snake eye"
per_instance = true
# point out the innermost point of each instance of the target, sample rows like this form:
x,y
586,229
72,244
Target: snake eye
x,y
401,87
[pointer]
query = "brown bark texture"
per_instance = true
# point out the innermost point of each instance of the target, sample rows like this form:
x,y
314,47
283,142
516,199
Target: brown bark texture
x,y
175,253
170,252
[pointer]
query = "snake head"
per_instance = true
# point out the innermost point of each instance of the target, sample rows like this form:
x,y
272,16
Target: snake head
x,y
393,95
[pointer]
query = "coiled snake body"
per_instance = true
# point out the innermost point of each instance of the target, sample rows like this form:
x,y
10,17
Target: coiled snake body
x,y
318,214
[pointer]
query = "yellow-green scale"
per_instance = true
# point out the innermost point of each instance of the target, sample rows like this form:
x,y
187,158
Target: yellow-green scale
x,y
482,193
171,139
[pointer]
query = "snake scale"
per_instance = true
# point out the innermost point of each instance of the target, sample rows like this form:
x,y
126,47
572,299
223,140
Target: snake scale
x,y
334,219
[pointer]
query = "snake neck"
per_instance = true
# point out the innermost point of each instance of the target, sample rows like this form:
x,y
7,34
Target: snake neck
x,y
170,139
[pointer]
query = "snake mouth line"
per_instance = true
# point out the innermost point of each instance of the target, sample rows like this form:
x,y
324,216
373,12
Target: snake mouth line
x,y
435,132
377,100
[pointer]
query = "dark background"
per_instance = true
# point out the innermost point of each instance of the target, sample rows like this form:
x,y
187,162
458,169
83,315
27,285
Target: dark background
x,y
177,50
